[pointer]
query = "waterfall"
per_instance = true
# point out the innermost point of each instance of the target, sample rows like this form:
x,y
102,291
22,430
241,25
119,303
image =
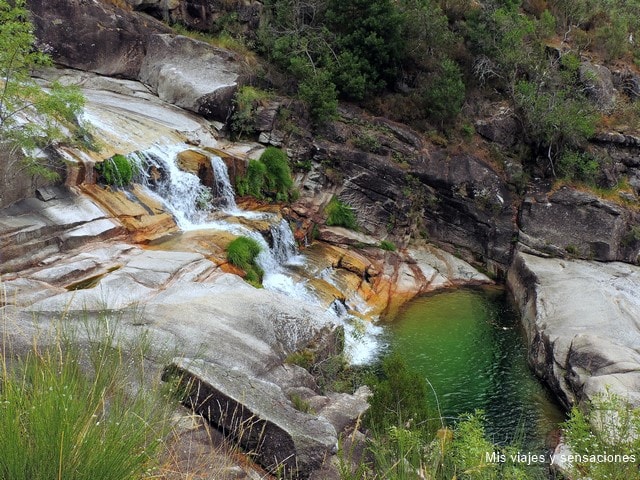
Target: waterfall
x,y
190,203
183,194
284,244
224,190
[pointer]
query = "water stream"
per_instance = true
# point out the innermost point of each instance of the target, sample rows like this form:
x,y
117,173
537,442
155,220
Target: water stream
x,y
190,203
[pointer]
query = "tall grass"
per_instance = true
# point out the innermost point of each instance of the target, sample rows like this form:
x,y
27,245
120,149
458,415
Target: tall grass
x,y
71,413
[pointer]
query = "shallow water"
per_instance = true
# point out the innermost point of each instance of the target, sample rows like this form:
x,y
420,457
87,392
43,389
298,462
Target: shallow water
x,y
469,346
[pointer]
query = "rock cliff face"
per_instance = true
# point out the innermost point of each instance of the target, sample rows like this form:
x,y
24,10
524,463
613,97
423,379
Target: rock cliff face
x,y
93,35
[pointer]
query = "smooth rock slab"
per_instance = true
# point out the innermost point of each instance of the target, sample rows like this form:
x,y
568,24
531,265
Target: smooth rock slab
x,y
582,321
258,415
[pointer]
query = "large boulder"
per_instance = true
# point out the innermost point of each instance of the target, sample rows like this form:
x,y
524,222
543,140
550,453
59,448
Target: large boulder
x,y
572,222
192,74
598,84
93,35
259,415
582,321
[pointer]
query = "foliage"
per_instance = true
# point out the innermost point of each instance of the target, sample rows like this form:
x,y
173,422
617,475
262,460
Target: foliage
x,y
30,117
246,100
320,95
444,95
340,214
399,397
406,445
578,166
388,246
278,174
555,120
607,424
269,176
368,34
243,252
60,420
117,170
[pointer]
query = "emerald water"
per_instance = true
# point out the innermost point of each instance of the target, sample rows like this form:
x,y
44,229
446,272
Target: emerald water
x,y
469,346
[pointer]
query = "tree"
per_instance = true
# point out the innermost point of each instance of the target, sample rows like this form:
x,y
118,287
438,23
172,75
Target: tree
x,y
31,117
371,31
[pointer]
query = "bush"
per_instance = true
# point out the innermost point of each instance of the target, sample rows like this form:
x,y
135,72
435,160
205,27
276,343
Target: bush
x,y
117,170
340,214
242,253
61,421
245,102
321,97
608,424
388,246
269,176
578,166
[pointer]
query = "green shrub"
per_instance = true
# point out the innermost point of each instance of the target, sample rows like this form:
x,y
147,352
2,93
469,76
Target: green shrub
x,y
63,421
270,176
117,171
246,101
388,246
321,97
608,424
578,166
242,253
340,214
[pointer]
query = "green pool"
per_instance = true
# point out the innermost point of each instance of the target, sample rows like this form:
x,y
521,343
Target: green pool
x,y
468,344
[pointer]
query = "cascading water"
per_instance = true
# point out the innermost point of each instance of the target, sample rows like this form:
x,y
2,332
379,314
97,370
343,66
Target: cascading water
x,y
183,194
284,243
189,201
224,190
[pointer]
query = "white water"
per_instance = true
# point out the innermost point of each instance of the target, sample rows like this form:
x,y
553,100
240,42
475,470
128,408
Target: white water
x,y
224,190
189,202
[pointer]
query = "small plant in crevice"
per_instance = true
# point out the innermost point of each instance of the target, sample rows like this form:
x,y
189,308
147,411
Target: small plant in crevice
x,y
387,245
242,252
117,171
340,214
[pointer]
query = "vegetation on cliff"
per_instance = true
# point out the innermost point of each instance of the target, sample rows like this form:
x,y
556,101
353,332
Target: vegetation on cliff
x,y
423,62
70,413
242,253
268,177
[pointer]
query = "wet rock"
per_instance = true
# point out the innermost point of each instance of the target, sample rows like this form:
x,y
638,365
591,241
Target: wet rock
x,y
191,74
259,415
199,164
142,215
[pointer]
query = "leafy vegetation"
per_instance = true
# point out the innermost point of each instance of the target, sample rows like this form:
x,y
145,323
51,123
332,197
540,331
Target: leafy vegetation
x,y
608,424
340,214
268,177
243,252
388,246
247,99
117,170
69,414
30,117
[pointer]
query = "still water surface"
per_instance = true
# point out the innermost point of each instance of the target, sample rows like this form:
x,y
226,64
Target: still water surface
x,y
469,346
